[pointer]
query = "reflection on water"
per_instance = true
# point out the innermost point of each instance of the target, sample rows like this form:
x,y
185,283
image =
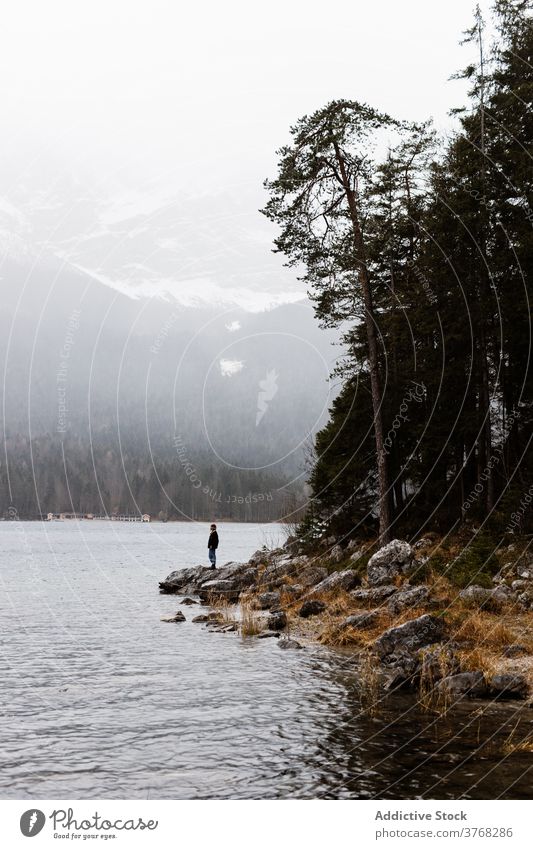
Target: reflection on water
x,y
101,699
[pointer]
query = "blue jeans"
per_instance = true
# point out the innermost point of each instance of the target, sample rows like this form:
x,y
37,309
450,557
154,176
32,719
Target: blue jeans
x,y
212,556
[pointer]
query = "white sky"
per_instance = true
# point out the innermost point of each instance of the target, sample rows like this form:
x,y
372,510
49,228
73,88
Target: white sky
x,y
172,85
197,96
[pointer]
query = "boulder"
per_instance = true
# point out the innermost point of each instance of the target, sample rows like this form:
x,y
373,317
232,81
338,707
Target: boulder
x,y
289,644
360,621
277,621
375,595
345,580
188,601
293,590
475,596
186,580
267,600
393,559
508,685
469,684
265,634
312,575
311,608
259,557
274,574
214,616
405,598
175,617
232,577
412,635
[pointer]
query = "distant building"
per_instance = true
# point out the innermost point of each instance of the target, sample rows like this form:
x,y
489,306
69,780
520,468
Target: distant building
x,y
146,517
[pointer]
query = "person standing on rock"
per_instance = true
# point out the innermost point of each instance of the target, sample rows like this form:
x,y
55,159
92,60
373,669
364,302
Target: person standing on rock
x,y
212,545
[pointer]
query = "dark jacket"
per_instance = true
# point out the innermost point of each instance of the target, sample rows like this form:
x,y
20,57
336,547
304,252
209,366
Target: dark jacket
x,y
213,540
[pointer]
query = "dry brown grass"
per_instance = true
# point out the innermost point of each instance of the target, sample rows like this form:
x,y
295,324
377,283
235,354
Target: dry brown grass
x,y
369,683
512,744
435,665
478,658
484,630
221,605
249,621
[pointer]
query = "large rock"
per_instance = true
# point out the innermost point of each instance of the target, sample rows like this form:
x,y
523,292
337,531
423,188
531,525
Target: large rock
x,y
267,600
277,621
469,684
311,608
186,580
345,580
508,685
406,598
360,621
393,559
289,644
374,595
174,617
412,635
493,599
233,577
312,575
259,557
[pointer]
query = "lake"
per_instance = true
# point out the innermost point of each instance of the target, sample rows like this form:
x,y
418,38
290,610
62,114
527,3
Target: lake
x,y
102,700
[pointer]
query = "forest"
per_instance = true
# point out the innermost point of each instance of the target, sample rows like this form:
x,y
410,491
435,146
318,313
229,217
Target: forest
x,y
420,250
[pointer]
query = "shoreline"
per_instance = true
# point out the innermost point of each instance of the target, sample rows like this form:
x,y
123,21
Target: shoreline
x,y
405,624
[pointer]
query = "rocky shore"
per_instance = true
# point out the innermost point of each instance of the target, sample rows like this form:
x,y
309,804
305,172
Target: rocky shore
x,y
407,625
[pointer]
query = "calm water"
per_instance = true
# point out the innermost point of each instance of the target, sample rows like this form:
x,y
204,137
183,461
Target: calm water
x,y
101,699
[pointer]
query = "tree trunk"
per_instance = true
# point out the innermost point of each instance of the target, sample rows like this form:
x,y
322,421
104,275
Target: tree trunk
x,y
375,381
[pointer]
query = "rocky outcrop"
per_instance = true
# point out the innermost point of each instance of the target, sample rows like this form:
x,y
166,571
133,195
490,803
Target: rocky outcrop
x,y
392,560
373,595
471,685
474,596
412,635
361,621
228,581
408,597
345,580
312,576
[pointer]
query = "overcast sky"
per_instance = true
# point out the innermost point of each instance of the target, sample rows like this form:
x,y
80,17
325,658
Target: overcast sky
x,y
197,96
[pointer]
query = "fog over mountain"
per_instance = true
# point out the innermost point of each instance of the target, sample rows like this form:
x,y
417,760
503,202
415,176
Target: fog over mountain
x,y
114,403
